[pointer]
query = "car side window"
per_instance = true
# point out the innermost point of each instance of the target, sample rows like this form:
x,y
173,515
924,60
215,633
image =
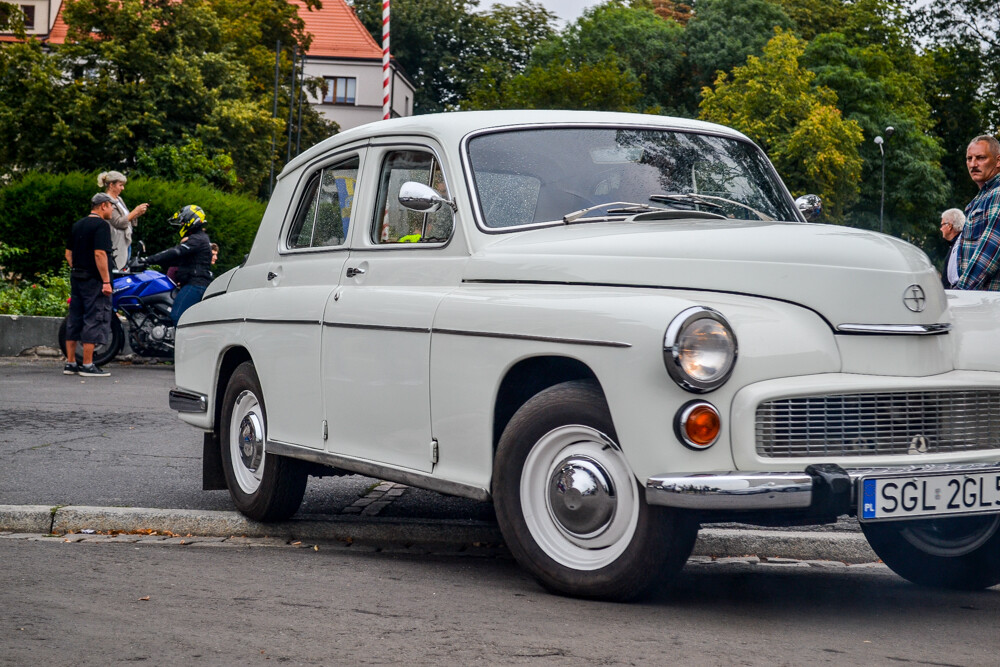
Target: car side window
x,y
396,224
323,216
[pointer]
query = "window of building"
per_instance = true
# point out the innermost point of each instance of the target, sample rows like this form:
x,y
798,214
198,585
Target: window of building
x,y
339,90
29,16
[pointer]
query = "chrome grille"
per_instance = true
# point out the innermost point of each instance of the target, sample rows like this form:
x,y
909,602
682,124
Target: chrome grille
x,y
881,423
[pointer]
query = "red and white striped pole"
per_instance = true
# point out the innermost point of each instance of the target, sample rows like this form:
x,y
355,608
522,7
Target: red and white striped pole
x,y
386,92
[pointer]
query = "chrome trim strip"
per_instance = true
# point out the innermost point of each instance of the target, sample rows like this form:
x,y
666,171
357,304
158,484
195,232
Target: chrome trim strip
x,y
731,491
379,471
188,401
205,323
261,320
377,327
895,329
543,339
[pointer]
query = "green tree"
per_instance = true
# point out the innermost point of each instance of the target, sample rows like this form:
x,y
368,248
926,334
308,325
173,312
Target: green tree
x,y
959,111
11,19
722,33
878,86
773,99
603,86
446,46
964,46
636,39
138,75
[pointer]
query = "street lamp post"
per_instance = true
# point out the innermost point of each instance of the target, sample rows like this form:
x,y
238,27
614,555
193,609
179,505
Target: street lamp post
x,y
881,149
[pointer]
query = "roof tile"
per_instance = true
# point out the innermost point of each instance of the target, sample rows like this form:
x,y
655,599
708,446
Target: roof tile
x,y
337,32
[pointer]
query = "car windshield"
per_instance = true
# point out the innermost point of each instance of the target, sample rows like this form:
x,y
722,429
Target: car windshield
x,y
531,176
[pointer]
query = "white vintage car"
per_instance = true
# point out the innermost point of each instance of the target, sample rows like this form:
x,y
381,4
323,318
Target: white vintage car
x,y
617,328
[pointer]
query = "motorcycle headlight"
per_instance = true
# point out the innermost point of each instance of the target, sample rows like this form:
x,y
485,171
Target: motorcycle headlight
x,y
699,349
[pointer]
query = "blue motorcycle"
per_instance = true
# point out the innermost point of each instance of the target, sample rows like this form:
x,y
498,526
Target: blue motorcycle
x,y
142,301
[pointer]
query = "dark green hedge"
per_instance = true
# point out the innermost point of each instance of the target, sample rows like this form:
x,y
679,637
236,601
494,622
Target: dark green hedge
x,y
39,209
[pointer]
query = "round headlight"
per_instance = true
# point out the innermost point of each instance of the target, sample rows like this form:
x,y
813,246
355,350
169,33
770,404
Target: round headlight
x,y
699,349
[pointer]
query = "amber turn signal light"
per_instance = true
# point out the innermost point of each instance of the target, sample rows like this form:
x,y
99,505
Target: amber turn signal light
x,y
698,425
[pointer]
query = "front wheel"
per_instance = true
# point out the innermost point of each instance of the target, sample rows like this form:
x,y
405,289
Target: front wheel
x,y
102,353
960,553
569,507
264,486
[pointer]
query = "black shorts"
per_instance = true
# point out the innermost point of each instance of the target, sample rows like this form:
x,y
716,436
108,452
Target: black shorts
x,y
89,318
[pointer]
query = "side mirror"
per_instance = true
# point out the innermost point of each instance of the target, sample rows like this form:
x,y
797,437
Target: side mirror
x,y
810,206
421,198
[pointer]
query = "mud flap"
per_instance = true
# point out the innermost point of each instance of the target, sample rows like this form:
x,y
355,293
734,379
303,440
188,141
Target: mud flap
x,y
212,476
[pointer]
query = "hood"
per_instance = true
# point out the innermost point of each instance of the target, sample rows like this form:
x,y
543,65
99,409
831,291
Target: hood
x,y
849,276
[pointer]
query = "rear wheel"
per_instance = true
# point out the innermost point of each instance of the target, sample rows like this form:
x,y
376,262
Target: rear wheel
x,y
264,487
102,353
569,507
958,553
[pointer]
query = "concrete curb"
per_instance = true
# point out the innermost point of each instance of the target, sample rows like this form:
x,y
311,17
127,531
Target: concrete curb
x,y
718,542
800,545
26,518
23,332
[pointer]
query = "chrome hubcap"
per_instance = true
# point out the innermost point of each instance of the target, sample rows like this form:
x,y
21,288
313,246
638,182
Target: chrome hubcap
x,y
251,441
247,442
582,496
579,498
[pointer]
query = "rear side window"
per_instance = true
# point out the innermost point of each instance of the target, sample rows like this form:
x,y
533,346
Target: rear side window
x,y
396,224
323,215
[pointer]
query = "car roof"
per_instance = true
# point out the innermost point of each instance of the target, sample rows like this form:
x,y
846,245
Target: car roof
x,y
452,127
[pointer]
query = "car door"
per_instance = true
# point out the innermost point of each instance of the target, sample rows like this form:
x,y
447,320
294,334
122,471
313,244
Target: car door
x,y
284,327
376,339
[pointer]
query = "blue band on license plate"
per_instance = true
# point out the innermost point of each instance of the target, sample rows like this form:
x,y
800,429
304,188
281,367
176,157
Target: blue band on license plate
x,y
910,496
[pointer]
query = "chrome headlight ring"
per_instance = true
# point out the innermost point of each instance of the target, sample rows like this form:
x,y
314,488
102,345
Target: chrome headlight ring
x,y
699,349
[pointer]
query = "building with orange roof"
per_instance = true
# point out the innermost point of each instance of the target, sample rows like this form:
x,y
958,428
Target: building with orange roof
x,y
342,53
39,17
349,61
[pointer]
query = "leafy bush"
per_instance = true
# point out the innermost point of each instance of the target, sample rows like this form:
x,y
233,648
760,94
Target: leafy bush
x,y
47,296
40,208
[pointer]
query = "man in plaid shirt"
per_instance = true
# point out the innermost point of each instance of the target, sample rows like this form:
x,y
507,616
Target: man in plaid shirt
x,y
979,256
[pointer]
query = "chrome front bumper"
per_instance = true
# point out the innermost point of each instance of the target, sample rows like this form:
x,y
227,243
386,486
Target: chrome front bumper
x,y
188,401
748,491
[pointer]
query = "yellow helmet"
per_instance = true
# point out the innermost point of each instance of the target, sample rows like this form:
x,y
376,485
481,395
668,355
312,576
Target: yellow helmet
x,y
187,218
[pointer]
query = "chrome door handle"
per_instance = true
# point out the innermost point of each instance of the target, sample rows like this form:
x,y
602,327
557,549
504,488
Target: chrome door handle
x,y
352,271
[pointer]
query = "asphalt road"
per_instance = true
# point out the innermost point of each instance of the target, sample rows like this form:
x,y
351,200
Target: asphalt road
x,y
114,442
115,603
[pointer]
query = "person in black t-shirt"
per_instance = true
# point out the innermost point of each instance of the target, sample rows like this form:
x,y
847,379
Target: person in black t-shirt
x,y
88,249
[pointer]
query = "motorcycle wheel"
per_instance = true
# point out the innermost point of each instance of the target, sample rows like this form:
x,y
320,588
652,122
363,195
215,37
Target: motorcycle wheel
x,y
102,353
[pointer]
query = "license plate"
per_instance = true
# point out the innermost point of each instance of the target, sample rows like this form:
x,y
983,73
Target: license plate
x,y
916,495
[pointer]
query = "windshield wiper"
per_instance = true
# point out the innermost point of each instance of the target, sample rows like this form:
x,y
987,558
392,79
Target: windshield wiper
x,y
708,201
626,207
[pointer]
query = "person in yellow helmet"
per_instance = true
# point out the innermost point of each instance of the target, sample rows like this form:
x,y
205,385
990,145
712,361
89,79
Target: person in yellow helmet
x,y
192,257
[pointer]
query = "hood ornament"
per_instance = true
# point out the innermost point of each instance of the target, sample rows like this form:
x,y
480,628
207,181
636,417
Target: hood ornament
x,y
918,445
914,298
